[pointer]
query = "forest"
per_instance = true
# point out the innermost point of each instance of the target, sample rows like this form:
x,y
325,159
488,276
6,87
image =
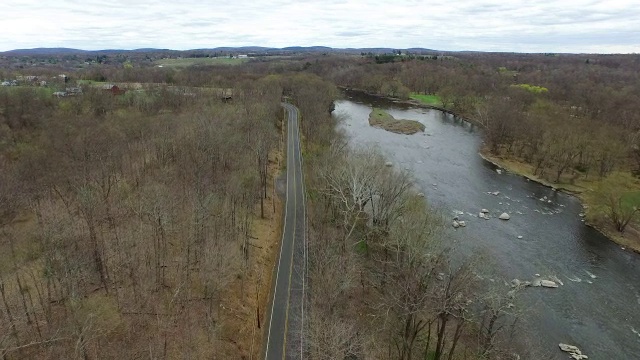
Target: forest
x,y
128,222
141,225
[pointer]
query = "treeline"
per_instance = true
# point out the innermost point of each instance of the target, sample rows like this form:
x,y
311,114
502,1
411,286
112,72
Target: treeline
x,y
224,76
125,223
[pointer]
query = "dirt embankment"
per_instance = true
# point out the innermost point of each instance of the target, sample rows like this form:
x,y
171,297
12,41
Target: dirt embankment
x,y
247,304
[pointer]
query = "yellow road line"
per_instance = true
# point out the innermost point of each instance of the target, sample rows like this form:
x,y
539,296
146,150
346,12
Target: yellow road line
x,y
293,246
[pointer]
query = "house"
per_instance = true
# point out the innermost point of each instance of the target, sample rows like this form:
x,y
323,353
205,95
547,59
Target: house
x,y
114,89
59,94
26,78
5,83
72,91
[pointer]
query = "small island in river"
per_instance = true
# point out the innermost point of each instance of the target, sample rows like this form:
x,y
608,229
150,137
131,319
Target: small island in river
x,y
382,119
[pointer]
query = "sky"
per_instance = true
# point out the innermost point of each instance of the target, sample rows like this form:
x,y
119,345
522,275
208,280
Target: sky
x,y
611,26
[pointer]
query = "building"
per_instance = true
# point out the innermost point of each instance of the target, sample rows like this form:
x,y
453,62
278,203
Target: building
x,y
71,91
114,89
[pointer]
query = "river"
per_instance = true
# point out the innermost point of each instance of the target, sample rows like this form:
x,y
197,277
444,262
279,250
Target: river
x,y
597,308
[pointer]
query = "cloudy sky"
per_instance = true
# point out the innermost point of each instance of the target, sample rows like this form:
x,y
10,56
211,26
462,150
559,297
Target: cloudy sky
x,y
484,25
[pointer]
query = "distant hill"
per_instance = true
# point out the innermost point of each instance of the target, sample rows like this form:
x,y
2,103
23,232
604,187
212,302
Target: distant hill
x,y
230,49
43,51
236,49
308,48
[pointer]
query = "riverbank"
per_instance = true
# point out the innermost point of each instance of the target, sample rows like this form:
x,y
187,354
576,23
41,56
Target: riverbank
x,y
554,241
629,240
414,102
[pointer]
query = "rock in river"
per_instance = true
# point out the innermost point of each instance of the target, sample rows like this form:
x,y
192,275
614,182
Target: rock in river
x,y
504,216
548,283
573,351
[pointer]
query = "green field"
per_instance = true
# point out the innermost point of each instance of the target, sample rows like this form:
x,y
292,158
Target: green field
x,y
631,199
91,82
185,62
47,91
427,99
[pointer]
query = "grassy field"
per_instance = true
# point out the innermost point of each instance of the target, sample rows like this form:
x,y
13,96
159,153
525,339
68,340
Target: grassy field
x,y
47,91
631,199
427,99
91,82
382,119
185,62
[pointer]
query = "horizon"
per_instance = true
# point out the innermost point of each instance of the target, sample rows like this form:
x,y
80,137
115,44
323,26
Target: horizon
x,y
49,50
573,27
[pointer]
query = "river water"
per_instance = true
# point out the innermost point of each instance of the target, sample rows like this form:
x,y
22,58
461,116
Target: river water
x,y
597,308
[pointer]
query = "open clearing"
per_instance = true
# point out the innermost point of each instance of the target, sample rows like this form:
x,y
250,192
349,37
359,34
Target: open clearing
x,y
186,62
431,99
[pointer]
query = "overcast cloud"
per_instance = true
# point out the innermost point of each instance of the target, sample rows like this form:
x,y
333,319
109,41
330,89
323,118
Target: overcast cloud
x,y
484,25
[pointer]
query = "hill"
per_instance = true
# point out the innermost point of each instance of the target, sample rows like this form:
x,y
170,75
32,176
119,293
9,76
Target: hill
x,y
229,49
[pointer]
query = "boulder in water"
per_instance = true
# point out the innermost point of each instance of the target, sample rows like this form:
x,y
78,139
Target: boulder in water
x,y
548,283
484,211
573,351
388,163
455,224
504,216
462,223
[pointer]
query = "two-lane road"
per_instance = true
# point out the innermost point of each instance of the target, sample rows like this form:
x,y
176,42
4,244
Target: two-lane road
x,y
286,319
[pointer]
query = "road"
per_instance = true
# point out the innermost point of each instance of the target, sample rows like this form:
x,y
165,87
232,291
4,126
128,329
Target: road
x,y
286,318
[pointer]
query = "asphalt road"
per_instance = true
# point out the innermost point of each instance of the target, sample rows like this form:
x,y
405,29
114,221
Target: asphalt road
x,y
286,318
